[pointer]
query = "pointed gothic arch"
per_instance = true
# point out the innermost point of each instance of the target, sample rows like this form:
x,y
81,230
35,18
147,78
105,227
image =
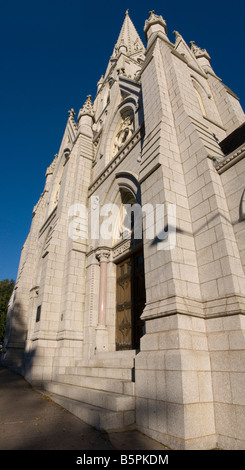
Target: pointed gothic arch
x,y
124,126
201,95
242,207
57,178
128,180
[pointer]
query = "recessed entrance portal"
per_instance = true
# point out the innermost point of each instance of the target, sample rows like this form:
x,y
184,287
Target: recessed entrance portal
x,y
130,301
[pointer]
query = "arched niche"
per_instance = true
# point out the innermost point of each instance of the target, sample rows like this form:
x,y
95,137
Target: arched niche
x,y
58,175
123,126
129,197
242,207
201,96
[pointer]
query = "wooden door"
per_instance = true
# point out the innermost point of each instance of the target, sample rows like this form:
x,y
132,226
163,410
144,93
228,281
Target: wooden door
x,y
138,295
130,302
124,306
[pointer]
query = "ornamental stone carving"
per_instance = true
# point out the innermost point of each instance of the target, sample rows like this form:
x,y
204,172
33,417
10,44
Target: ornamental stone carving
x,y
124,133
198,52
102,255
50,169
87,107
71,113
154,19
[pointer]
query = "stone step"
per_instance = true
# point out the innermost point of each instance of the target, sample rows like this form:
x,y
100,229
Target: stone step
x,y
98,383
130,354
99,398
122,363
95,416
115,359
104,372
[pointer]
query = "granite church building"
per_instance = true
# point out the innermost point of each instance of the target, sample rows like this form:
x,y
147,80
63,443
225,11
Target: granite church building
x,y
141,324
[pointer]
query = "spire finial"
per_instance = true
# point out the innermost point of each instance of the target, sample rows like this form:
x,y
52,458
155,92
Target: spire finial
x,y
155,20
198,52
127,39
71,113
87,107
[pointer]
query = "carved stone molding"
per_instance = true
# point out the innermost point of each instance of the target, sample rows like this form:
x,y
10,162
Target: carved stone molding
x,y
125,246
123,152
230,160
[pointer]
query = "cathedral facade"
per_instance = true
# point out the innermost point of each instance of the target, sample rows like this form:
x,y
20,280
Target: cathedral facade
x,y
130,297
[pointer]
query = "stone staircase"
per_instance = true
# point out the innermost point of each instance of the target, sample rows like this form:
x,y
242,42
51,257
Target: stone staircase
x,y
100,391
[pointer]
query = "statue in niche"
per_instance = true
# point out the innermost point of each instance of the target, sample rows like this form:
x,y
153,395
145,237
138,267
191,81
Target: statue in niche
x,y
125,131
136,45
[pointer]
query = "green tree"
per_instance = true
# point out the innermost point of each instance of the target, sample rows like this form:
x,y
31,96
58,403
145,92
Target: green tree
x,y
6,289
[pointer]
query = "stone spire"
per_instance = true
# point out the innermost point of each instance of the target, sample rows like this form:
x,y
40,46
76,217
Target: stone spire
x,y
155,25
71,119
128,40
87,109
85,117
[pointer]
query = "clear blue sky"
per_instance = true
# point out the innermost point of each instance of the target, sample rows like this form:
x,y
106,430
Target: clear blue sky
x,y
53,53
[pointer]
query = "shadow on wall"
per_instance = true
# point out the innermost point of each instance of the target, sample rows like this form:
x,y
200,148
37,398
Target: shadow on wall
x,y
42,424
169,229
15,339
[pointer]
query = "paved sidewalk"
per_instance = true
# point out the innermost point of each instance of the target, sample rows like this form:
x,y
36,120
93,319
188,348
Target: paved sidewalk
x,y
30,420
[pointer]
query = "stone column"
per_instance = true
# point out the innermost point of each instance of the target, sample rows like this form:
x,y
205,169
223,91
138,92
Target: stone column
x,y
102,256
101,330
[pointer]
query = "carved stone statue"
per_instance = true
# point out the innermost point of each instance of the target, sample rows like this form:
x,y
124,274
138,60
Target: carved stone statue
x,y
125,131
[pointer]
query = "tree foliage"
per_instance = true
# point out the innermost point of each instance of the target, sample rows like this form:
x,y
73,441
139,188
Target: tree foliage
x,y
6,289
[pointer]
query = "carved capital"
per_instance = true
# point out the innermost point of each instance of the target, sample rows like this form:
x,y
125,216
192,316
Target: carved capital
x,y
102,255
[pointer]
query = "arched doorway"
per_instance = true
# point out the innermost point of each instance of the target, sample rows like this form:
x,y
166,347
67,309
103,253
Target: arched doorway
x,y
130,285
130,301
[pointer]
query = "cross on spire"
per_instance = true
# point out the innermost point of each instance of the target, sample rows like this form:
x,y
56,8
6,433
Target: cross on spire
x,y
128,36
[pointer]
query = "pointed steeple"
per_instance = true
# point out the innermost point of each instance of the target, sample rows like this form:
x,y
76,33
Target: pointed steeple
x,y
128,40
85,117
128,45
